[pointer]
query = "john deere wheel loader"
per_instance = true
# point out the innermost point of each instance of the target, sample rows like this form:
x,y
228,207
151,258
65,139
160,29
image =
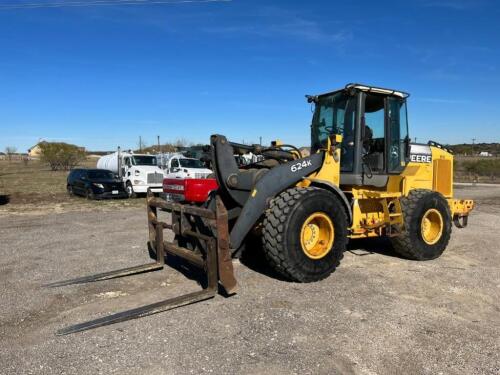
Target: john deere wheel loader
x,y
363,179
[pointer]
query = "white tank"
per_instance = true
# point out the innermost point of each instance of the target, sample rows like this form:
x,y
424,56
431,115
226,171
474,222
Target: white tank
x,y
109,162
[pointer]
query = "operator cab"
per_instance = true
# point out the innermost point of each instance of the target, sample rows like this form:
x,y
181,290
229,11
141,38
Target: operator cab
x,y
374,128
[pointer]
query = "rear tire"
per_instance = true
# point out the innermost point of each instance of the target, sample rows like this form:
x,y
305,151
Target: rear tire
x,y
289,250
427,225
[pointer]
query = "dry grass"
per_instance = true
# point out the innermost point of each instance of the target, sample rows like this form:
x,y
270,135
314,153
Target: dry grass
x,y
34,187
477,169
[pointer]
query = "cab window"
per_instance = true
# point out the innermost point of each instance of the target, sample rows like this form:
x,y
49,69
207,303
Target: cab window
x,y
398,133
335,114
373,134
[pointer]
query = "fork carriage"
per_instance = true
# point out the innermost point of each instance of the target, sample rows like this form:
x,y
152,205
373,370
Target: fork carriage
x,y
205,227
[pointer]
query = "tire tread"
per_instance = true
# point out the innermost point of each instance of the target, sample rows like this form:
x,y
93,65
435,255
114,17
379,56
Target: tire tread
x,y
274,233
403,244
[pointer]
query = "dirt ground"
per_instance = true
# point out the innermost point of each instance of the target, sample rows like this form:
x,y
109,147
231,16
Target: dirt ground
x,y
377,314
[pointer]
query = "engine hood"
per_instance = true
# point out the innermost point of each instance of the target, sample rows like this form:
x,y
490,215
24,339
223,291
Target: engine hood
x,y
147,168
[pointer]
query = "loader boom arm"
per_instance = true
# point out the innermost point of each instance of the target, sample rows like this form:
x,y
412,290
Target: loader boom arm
x,y
252,189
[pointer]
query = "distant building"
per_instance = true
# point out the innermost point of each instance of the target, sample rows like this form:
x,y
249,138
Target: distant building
x,y
485,153
35,151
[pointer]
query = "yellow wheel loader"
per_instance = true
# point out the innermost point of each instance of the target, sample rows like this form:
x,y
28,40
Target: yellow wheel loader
x,y
362,179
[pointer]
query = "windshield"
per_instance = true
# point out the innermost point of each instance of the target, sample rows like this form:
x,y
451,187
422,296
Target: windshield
x,y
144,160
101,175
328,118
191,163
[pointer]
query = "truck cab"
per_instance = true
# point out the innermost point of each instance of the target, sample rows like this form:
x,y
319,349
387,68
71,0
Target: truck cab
x,y
140,172
179,166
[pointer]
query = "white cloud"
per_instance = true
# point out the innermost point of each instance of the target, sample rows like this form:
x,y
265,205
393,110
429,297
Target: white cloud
x,y
272,22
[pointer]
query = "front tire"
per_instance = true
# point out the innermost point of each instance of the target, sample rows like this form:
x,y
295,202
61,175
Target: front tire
x,y
305,234
427,225
90,194
130,190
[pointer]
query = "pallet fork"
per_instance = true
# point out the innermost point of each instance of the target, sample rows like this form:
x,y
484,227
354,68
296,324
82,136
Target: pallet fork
x,y
208,228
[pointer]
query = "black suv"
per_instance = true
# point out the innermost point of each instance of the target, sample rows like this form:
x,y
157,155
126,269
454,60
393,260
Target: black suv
x,y
95,184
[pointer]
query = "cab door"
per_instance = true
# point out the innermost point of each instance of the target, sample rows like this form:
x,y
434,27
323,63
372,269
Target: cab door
x,y
174,165
128,165
397,134
374,136
384,138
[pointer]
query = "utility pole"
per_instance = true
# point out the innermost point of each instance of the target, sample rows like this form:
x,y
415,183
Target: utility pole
x,y
473,140
140,144
159,151
415,139
260,140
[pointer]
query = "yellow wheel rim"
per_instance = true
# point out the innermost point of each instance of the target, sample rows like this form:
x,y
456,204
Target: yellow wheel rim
x,y
432,226
317,235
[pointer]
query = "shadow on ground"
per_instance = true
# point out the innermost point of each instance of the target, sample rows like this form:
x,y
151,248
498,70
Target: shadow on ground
x,y
189,271
4,199
370,246
253,256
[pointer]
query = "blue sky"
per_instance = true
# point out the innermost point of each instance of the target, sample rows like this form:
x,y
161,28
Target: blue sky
x,y
101,76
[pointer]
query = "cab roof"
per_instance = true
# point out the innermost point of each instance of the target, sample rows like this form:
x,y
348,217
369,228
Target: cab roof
x,y
365,88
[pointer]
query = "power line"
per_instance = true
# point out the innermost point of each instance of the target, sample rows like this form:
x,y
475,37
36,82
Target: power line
x,y
90,3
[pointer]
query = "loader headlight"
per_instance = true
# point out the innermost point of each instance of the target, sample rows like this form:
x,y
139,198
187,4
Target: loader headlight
x,y
100,186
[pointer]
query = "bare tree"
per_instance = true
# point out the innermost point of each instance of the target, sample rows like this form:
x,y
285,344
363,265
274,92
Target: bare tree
x,y
168,147
182,142
10,151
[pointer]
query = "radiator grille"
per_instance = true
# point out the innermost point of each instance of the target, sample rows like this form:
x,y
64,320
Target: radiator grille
x,y
155,178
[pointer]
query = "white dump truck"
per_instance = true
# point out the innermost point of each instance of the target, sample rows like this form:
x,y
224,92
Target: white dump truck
x,y
178,166
138,171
